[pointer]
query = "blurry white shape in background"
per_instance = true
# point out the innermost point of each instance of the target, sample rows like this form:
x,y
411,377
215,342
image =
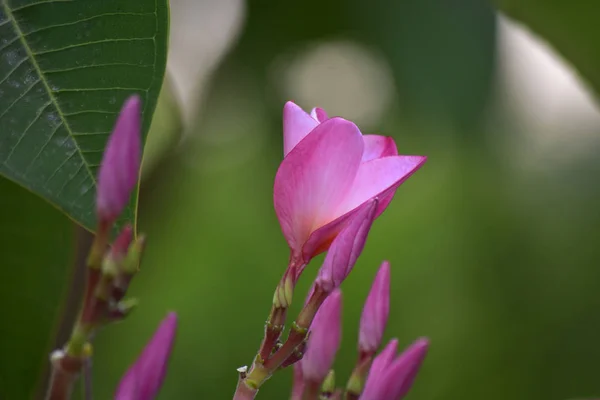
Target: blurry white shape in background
x,y
551,104
342,77
201,33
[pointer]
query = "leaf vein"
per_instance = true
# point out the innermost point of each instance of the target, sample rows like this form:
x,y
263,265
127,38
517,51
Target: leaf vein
x,y
40,2
73,46
82,193
17,28
11,41
57,170
99,89
19,98
90,112
70,179
17,65
52,71
38,155
85,20
91,133
37,117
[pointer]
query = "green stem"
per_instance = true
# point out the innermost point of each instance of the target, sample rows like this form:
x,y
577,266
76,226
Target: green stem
x,y
67,364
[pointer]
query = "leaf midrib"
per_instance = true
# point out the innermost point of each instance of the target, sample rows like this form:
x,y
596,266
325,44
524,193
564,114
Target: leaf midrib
x,y
39,71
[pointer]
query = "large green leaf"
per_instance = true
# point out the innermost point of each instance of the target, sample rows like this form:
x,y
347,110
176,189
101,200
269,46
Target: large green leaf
x,y
570,26
65,68
35,243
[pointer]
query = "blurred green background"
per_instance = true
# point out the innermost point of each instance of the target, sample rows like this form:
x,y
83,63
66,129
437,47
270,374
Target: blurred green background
x,y
493,244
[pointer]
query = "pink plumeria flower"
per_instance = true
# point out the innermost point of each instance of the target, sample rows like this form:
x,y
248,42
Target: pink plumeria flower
x,y
375,312
391,377
121,163
324,339
346,247
329,169
143,379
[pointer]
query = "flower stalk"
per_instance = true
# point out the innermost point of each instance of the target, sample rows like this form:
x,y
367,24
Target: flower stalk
x,y
108,271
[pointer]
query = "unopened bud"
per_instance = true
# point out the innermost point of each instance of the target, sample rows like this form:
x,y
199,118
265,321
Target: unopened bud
x,y
144,378
120,164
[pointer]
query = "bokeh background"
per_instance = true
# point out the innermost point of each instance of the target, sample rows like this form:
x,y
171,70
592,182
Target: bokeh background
x,y
493,244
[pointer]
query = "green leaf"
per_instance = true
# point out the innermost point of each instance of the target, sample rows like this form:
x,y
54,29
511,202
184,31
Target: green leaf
x,y
35,246
570,26
165,131
66,67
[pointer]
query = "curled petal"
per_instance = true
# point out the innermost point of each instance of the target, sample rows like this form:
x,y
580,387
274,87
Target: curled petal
x,y
380,178
319,114
314,178
378,146
375,312
296,125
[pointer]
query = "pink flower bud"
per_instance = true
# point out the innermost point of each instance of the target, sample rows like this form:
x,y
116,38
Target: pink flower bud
x,y
121,162
346,247
324,340
391,378
375,312
143,379
120,246
329,170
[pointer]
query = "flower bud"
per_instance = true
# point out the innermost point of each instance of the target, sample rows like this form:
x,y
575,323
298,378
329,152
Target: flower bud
x,y
391,378
324,339
346,248
144,378
375,312
121,163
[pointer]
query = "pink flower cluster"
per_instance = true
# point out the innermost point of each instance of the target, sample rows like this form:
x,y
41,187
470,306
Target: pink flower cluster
x,y
330,187
388,377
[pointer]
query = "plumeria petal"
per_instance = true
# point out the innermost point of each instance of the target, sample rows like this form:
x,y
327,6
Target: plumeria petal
x,y
375,312
143,379
296,125
377,146
320,240
380,178
120,165
324,339
314,178
346,248
319,114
